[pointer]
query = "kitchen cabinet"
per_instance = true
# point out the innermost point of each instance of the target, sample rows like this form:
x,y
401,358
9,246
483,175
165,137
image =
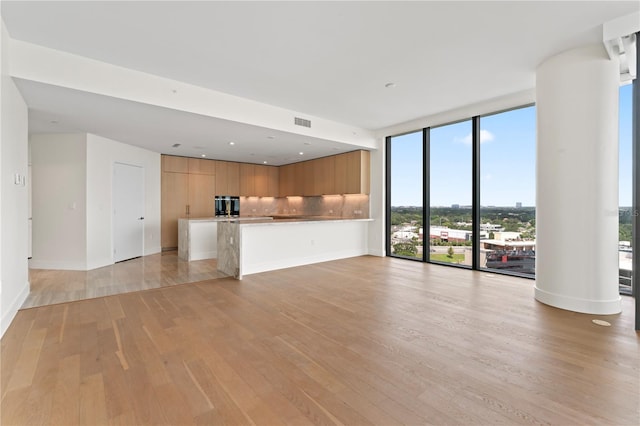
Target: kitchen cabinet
x,y
286,176
261,181
352,173
174,202
202,191
227,178
175,164
324,180
273,176
188,187
202,166
222,178
247,180
337,174
257,180
233,179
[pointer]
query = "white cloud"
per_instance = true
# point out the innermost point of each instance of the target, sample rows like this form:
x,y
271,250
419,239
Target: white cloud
x,y
485,136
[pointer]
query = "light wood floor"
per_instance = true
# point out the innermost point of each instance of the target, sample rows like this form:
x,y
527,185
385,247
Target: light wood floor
x,y
358,341
154,271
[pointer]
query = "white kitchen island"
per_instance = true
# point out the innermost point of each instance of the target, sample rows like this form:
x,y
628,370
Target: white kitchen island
x,y
248,247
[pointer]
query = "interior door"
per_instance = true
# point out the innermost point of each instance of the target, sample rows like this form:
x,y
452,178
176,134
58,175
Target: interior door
x,y
128,211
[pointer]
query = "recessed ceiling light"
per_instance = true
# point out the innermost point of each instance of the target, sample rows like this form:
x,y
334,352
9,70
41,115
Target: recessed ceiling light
x,y
390,85
232,143
264,162
175,145
301,153
203,155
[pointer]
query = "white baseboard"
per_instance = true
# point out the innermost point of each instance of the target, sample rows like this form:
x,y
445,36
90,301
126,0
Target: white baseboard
x,y
152,250
10,313
300,261
201,255
57,264
376,252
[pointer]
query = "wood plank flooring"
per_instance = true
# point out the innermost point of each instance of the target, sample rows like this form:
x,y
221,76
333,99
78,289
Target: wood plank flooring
x,y
358,341
154,271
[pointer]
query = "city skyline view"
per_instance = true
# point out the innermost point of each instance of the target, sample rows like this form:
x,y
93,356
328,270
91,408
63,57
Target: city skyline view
x,y
507,156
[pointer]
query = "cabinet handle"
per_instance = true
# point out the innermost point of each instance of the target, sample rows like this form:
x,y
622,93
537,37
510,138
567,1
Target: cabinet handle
x,y
187,211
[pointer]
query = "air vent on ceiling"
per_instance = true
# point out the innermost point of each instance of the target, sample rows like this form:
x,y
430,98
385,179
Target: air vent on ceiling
x,y
175,145
302,122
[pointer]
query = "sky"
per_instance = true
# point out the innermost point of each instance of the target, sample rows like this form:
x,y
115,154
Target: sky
x,y
507,160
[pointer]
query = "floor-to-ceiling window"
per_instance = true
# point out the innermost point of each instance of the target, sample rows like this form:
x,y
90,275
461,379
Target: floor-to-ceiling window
x,y
406,191
448,183
625,247
507,191
450,193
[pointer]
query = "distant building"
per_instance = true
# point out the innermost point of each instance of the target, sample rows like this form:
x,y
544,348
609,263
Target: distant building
x,y
518,205
506,236
490,227
452,235
455,206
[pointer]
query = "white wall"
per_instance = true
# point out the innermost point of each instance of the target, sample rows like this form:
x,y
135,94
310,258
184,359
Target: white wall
x,y
102,153
72,199
14,272
59,200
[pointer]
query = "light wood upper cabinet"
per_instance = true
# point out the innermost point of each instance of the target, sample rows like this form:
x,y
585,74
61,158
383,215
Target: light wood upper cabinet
x,y
324,176
340,174
261,181
171,163
227,178
286,179
202,191
273,181
202,166
352,173
337,174
233,179
358,172
247,180
222,178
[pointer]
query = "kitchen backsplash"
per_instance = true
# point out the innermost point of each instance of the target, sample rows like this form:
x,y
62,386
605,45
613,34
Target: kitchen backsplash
x,y
345,206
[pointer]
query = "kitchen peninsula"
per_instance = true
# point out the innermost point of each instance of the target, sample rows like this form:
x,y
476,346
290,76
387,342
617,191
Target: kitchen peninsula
x,y
198,238
250,246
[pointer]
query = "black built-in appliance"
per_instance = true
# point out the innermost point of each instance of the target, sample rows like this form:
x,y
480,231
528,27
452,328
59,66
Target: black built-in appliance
x,y
227,205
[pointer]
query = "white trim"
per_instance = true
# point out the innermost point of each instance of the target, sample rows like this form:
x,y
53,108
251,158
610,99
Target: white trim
x,y
58,264
10,314
585,306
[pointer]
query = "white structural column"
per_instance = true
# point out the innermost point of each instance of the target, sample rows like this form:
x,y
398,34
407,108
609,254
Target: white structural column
x,y
577,181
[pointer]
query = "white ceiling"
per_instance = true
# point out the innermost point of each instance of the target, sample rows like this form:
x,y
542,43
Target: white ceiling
x,y
325,59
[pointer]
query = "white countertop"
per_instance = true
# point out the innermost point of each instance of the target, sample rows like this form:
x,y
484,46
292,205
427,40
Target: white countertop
x,y
223,218
268,220
296,221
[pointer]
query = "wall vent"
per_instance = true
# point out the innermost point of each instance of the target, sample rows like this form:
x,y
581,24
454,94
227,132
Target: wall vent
x,y
301,122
